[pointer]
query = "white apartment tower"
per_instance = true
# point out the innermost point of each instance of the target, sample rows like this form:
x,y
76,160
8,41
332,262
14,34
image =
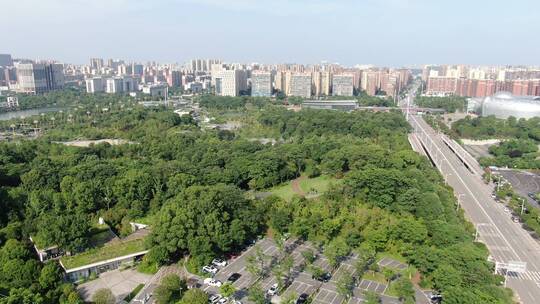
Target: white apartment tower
x,y
261,84
95,85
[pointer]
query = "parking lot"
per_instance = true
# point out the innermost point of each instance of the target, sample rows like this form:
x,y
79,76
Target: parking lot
x,y
391,263
522,182
301,279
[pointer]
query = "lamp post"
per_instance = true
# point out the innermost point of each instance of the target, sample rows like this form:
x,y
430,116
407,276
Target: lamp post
x,y
459,201
522,204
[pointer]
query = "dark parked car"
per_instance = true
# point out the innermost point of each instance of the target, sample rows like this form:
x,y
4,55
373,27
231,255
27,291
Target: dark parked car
x,y
325,277
233,277
302,298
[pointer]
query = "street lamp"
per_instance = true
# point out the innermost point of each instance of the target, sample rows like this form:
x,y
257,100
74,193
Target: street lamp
x,y
522,204
446,178
477,234
458,201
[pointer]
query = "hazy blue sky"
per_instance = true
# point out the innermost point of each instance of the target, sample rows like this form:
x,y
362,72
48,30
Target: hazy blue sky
x,y
382,32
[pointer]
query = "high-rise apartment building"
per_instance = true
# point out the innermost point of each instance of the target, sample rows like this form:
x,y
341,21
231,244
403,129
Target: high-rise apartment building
x,y
279,81
343,85
174,78
261,84
96,63
229,82
300,85
370,82
114,85
95,85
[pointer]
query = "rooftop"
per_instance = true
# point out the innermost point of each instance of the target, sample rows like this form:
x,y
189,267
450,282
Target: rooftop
x,y
110,251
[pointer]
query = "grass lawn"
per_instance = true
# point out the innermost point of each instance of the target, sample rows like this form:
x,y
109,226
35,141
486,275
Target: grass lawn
x,y
103,253
391,290
133,293
320,184
284,191
149,220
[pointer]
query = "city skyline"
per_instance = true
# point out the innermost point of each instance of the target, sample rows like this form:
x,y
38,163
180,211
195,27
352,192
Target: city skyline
x,y
384,33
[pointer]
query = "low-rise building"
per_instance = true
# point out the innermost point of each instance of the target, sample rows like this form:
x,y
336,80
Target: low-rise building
x,y
155,90
343,105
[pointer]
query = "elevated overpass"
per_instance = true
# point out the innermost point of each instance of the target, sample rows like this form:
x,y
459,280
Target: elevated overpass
x,y
506,241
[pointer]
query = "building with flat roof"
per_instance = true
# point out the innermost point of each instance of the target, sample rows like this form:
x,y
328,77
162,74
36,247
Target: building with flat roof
x,y
343,85
261,84
300,85
229,82
342,105
6,60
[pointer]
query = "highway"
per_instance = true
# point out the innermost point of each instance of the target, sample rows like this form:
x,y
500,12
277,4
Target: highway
x,y
507,241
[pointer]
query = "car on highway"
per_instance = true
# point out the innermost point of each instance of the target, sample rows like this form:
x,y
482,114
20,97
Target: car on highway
x,y
212,282
219,263
210,269
234,277
302,298
272,291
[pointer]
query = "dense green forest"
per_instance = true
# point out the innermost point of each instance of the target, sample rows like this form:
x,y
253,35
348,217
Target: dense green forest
x,y
235,103
492,127
522,135
194,183
449,103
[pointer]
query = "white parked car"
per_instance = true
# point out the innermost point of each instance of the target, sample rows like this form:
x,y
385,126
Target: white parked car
x,y
219,263
212,282
223,301
210,269
272,290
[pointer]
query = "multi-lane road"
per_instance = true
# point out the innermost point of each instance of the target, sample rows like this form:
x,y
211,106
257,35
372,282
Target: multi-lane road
x,y
507,241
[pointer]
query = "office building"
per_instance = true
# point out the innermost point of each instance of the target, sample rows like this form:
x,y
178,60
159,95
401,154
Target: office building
x,y
261,84
37,78
6,60
31,78
54,76
229,82
343,85
300,85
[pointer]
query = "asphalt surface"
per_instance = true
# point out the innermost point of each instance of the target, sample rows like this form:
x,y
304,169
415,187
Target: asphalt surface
x,y
506,240
522,182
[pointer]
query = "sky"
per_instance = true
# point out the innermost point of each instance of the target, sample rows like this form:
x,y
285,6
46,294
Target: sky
x,y
349,32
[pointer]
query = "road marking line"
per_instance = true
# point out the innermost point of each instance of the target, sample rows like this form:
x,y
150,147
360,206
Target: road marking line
x,y
466,187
